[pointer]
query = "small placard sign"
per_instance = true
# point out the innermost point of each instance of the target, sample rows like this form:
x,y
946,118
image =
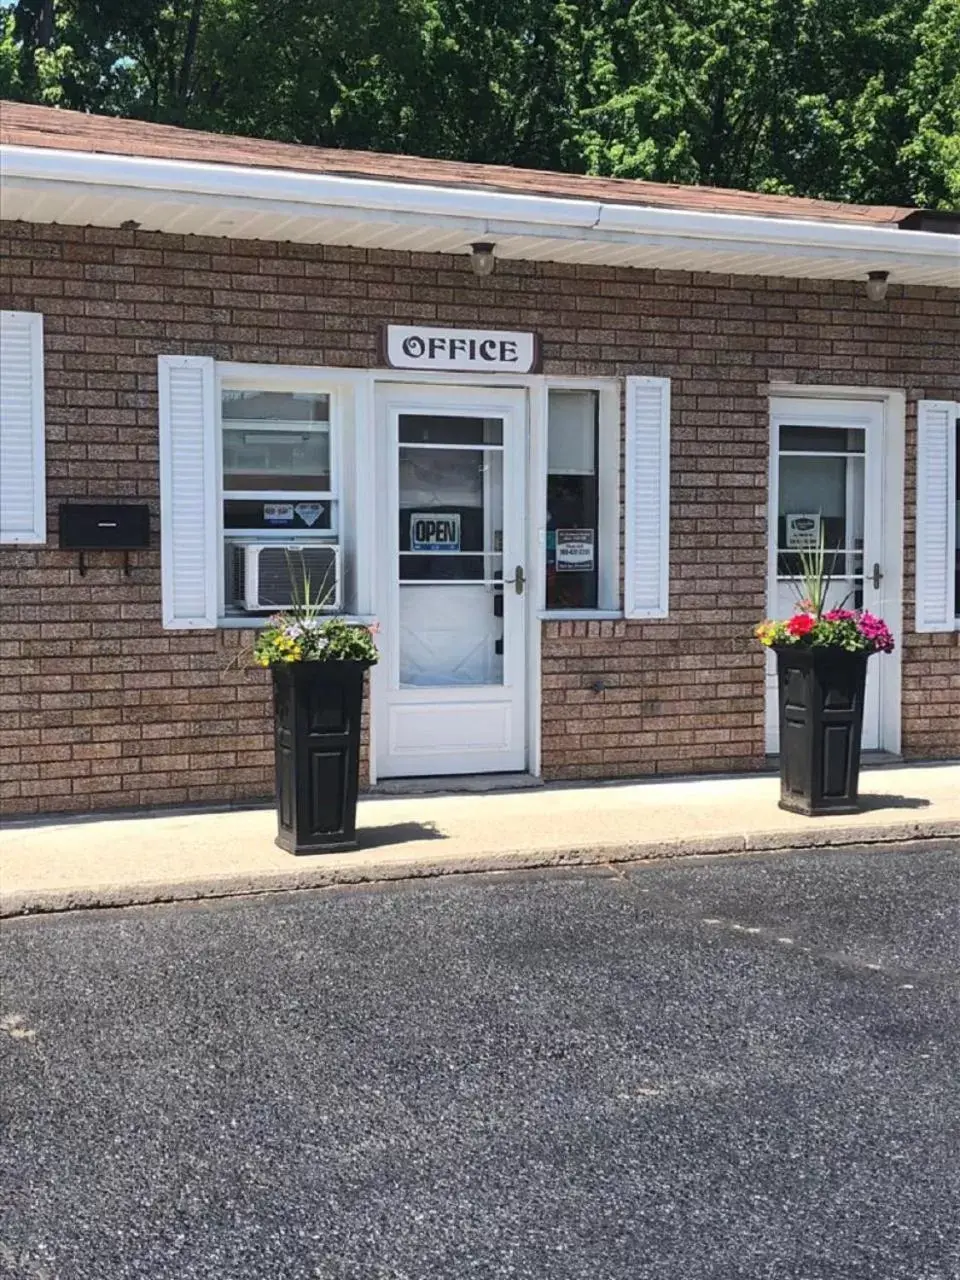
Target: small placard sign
x,y
575,550
278,512
460,350
434,531
803,531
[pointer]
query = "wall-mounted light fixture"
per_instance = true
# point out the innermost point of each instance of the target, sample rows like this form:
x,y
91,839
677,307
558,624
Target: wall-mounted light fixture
x,y
482,261
877,285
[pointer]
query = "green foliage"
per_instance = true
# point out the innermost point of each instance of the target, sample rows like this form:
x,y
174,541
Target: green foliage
x,y
816,576
932,93
841,99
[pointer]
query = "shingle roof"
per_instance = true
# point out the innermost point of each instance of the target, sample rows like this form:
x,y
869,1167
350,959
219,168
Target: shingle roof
x,y
50,127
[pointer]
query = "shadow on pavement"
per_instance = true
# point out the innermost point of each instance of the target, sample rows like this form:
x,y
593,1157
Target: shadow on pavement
x,y
398,833
893,802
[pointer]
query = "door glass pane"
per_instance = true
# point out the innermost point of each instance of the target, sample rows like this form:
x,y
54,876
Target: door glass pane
x,y
425,428
822,439
450,552
822,498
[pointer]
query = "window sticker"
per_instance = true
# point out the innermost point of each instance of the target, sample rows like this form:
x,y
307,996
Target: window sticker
x,y
278,512
309,512
575,550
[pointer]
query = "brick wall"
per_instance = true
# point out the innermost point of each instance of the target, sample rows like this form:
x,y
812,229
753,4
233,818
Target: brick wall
x,y
103,708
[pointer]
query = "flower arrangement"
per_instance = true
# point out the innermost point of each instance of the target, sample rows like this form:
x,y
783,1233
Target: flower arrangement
x,y
289,638
305,633
856,631
814,626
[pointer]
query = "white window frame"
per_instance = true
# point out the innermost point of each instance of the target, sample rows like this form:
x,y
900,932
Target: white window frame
x,y
609,449
237,377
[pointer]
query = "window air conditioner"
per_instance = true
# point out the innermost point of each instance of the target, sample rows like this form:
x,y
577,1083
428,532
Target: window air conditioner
x,y
274,574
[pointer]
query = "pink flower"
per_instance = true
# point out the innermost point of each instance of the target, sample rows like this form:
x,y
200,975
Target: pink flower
x,y
839,615
876,630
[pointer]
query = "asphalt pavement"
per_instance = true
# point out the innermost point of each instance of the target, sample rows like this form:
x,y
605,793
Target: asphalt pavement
x,y
707,1070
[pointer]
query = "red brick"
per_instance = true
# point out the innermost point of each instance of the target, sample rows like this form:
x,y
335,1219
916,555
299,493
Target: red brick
x,y
160,718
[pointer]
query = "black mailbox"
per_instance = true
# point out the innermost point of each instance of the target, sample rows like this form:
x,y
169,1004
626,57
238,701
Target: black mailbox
x,y
104,526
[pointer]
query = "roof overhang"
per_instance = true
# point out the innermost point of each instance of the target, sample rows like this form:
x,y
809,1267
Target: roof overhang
x,y
189,198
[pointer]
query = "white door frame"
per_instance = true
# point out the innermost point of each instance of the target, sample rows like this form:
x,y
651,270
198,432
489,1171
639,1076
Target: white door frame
x,y
370,491
417,395
892,461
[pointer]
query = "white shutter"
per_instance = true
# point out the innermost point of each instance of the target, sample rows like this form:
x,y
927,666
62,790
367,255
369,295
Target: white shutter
x,y
23,497
647,498
188,491
936,514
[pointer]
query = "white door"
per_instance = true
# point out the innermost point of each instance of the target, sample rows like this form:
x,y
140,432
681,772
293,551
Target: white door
x,y
452,690
827,478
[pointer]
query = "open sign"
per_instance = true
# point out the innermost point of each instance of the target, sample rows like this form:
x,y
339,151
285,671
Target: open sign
x,y
437,531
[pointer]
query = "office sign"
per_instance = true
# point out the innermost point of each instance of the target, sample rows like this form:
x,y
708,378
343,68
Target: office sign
x,y
434,531
460,350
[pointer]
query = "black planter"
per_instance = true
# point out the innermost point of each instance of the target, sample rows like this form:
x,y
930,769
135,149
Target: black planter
x,y
317,708
821,718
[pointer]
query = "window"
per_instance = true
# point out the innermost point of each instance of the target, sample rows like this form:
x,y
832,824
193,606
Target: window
x,y
280,506
582,500
573,544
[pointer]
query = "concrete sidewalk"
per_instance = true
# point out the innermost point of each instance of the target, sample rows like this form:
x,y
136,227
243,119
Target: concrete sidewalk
x,y
122,861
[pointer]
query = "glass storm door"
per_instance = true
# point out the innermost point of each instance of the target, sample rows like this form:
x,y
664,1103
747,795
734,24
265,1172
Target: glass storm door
x,y
827,482
453,635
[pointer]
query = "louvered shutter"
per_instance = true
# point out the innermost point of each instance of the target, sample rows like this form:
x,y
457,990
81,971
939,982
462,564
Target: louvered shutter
x,y
647,498
23,498
936,514
188,491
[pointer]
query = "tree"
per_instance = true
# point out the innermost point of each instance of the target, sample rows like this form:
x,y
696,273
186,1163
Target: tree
x,y
801,96
841,99
931,153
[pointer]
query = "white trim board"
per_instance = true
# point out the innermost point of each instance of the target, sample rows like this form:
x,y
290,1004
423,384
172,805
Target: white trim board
x,y
232,201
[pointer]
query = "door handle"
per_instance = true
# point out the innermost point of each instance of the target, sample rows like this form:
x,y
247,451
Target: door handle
x,y
877,575
517,580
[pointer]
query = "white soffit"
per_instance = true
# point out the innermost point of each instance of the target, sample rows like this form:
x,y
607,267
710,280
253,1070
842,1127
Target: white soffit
x,y
189,198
